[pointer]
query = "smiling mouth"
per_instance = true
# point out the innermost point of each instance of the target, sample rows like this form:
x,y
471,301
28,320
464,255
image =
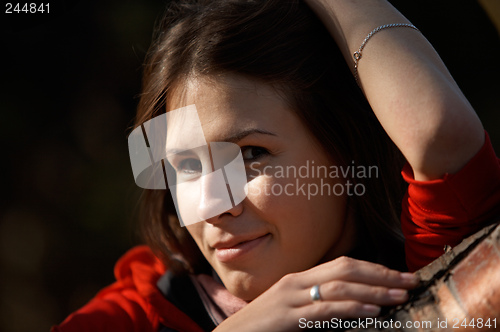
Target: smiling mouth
x,y
230,253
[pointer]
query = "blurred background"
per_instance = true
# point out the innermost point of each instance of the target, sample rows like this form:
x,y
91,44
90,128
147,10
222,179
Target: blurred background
x,y
70,81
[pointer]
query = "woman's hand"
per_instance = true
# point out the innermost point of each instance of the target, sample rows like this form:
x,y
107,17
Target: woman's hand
x,y
348,288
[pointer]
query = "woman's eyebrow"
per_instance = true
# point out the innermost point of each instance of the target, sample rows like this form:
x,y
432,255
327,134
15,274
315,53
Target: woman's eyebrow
x,y
234,138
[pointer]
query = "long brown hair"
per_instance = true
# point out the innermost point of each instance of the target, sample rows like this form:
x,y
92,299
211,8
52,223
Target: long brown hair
x,y
283,44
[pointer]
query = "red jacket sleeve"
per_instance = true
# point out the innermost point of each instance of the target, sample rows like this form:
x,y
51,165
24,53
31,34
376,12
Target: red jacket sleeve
x,y
132,304
444,211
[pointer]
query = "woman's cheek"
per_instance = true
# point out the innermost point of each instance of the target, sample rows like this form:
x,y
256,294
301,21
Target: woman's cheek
x,y
256,188
187,202
265,191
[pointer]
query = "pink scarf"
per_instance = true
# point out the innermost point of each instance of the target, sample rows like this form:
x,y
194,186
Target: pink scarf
x,y
218,302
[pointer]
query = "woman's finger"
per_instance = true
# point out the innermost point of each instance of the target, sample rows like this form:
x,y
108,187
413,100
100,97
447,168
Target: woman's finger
x,y
340,309
349,269
343,291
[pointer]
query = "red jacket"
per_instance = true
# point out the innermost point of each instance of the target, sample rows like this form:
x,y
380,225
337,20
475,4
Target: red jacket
x,y
133,303
445,211
435,213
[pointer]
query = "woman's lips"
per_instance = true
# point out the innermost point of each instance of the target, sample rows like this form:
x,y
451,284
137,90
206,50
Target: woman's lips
x,y
227,254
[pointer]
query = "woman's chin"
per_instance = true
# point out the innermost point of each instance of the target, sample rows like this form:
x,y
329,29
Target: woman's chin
x,y
245,286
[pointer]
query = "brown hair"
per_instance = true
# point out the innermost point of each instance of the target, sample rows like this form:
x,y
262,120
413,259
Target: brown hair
x,y
283,44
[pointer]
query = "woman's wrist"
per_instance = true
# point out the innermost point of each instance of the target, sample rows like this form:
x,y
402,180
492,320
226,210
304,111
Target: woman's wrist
x,y
407,85
350,21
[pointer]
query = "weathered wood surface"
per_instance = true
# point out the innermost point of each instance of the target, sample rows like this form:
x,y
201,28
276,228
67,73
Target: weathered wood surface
x,y
461,285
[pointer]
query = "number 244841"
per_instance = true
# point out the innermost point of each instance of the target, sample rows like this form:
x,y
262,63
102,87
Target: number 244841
x,y
27,8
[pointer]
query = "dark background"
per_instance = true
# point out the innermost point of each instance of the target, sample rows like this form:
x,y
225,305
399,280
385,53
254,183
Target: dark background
x,y
70,81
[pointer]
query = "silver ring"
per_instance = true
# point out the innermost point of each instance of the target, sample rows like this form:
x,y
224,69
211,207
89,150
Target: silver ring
x,y
315,296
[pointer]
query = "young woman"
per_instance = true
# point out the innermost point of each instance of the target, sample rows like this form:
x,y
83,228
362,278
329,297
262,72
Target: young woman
x,y
272,78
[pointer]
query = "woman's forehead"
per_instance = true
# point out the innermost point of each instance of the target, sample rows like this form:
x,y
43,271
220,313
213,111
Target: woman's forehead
x,y
225,103
228,88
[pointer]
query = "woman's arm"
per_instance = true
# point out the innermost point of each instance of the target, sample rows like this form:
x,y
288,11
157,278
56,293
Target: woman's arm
x,y
407,85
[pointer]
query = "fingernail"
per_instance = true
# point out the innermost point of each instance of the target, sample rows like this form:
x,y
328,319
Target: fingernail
x,y
409,277
371,309
397,294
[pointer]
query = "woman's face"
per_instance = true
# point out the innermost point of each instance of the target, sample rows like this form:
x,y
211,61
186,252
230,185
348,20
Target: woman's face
x,y
284,224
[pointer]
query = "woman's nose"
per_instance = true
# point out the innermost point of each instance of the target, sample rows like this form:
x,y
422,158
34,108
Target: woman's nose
x,y
214,197
219,189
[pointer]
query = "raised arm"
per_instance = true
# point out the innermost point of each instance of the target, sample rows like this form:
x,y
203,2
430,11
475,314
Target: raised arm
x,y
407,85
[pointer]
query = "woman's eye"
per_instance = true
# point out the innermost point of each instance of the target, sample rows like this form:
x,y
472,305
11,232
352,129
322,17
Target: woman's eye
x,y
190,166
253,152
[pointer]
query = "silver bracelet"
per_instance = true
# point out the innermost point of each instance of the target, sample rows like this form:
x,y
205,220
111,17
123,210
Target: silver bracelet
x,y
357,55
